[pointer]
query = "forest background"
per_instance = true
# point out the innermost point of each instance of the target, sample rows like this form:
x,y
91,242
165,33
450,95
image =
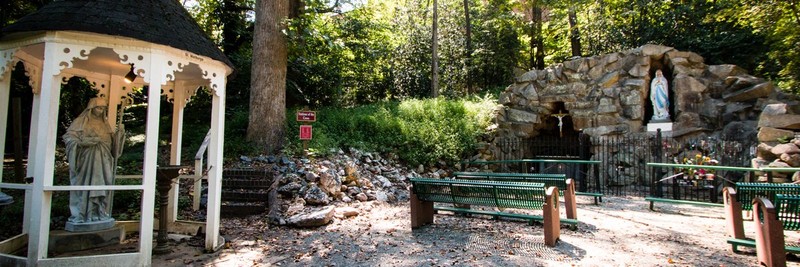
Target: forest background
x,y
351,57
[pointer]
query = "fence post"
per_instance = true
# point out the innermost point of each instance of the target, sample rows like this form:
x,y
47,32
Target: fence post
x,y
657,173
583,151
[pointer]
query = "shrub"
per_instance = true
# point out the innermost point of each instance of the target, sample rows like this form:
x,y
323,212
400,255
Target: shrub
x,y
418,131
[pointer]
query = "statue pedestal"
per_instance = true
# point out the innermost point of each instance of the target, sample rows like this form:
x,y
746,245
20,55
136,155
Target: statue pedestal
x,y
664,126
89,226
62,241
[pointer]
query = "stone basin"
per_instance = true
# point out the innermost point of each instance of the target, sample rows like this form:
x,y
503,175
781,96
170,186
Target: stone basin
x,y
168,172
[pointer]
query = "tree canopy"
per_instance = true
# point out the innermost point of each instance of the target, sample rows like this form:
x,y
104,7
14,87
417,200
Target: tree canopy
x,y
344,53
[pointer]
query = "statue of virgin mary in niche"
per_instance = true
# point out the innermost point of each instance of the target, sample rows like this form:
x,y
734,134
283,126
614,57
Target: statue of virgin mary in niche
x,y
659,96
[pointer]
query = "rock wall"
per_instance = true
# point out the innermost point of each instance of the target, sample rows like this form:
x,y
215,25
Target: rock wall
x,y
607,95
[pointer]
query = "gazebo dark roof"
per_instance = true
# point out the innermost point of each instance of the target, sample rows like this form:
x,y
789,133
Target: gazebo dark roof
x,y
163,22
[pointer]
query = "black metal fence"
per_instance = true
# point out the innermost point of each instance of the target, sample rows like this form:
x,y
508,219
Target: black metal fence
x,y
622,169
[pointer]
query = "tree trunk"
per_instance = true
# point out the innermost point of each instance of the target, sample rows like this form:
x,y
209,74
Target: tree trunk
x,y
268,77
434,56
537,22
574,33
468,38
532,52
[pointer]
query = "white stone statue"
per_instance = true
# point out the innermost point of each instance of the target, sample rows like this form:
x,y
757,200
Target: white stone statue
x,y
659,96
560,117
92,148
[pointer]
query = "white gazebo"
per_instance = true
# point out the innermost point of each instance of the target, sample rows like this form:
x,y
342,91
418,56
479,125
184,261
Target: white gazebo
x,y
100,41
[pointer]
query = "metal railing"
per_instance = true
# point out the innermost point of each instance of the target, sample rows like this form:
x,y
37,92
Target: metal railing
x,y
622,170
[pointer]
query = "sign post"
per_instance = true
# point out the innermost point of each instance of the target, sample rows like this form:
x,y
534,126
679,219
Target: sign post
x,y
306,131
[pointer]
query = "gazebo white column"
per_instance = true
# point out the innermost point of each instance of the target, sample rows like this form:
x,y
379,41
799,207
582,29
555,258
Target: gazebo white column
x,y
215,163
175,148
44,133
5,94
155,79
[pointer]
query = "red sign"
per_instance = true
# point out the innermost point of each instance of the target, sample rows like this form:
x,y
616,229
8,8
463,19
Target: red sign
x,y
307,116
305,132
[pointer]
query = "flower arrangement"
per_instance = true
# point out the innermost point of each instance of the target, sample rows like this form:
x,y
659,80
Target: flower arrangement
x,y
698,173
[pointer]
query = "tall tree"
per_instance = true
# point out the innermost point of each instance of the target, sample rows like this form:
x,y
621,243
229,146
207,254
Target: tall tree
x,y
574,32
11,10
468,38
434,56
268,77
537,40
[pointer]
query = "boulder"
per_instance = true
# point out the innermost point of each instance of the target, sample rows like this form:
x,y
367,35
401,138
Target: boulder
x,y
315,196
312,217
311,177
290,188
736,83
606,106
515,115
769,134
330,182
530,92
684,83
754,92
653,50
785,149
528,76
609,80
722,71
791,159
784,121
347,212
633,112
739,130
764,151
774,109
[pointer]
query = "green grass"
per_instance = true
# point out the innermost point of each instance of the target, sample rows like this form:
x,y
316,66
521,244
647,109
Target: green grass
x,y
418,131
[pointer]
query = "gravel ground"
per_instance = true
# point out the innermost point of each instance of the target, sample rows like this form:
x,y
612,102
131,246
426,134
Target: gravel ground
x,y
618,232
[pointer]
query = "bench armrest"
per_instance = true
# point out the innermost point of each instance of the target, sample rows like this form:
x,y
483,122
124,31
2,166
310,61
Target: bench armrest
x,y
769,233
570,202
552,220
733,213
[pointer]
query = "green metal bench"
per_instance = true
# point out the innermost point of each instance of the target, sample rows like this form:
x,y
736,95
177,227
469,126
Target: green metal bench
x,y
740,198
565,185
542,162
520,195
679,201
548,178
653,199
772,220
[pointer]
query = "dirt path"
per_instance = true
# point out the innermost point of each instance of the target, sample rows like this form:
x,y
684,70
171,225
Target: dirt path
x,y
619,232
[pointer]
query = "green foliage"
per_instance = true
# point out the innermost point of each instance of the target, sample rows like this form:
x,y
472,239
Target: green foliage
x,y
418,131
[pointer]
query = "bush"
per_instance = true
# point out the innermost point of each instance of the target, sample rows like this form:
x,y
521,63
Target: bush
x,y
418,131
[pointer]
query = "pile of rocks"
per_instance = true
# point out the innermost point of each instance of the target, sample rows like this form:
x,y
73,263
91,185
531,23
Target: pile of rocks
x,y
779,144
309,192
